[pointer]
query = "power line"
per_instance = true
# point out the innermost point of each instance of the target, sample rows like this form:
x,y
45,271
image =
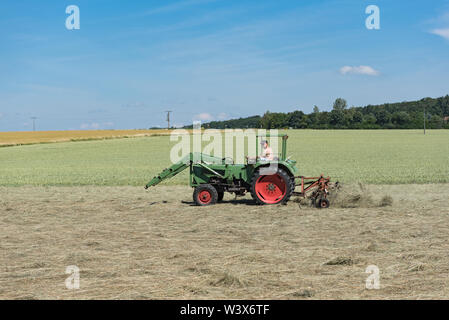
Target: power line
x,y
424,119
34,123
168,118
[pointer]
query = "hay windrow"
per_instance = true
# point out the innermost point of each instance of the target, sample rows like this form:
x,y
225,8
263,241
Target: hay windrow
x,y
351,196
229,280
358,196
340,261
386,201
305,293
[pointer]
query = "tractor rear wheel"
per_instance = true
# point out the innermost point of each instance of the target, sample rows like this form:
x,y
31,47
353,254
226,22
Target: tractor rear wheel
x,y
205,194
272,189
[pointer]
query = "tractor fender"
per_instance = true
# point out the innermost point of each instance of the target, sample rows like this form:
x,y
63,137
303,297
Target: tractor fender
x,y
291,171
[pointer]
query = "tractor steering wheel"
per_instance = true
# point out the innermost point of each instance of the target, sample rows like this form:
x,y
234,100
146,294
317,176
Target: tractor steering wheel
x,y
232,160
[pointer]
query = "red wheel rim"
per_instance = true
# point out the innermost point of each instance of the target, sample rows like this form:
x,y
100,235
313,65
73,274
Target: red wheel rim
x,y
271,189
204,197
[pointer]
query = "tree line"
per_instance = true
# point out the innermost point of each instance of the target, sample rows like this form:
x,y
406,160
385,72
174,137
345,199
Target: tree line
x,y
403,115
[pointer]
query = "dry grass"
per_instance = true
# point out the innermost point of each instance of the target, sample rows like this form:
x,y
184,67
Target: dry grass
x,y
358,196
31,137
129,243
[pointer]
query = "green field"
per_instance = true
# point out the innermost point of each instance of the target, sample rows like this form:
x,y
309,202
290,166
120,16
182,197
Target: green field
x,y
368,156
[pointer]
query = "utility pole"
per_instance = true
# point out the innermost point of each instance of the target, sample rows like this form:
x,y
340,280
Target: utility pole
x,y
34,123
168,118
424,120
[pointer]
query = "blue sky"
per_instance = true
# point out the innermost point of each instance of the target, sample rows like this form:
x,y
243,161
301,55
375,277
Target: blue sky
x,y
211,59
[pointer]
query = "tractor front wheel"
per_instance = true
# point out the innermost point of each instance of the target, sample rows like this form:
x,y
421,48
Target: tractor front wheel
x,y
205,195
272,189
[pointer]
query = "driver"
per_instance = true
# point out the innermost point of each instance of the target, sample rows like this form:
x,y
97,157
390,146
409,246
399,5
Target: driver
x,y
267,153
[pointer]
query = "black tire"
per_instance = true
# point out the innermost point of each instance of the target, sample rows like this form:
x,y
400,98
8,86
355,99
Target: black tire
x,y
220,193
322,203
292,186
205,195
289,181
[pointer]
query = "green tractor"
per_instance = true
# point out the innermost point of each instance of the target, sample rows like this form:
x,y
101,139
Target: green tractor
x,y
269,182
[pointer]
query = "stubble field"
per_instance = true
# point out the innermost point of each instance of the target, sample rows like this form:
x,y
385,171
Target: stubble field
x,y
129,244
37,137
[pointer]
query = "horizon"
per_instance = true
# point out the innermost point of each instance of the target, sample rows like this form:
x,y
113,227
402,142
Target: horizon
x,y
212,60
206,122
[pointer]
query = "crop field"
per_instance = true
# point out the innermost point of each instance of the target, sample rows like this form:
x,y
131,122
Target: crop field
x,y
31,137
83,203
371,156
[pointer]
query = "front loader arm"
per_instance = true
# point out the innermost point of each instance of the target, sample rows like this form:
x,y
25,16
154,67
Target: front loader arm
x,y
171,171
193,157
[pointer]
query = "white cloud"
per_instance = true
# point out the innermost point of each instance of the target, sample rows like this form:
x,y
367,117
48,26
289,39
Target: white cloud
x,y
204,116
365,70
96,125
108,124
441,32
222,116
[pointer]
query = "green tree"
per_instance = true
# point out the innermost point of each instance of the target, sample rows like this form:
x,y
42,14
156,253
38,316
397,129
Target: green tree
x,y
324,119
305,122
340,104
357,117
279,120
370,119
337,118
348,118
382,117
266,120
436,122
400,118
295,118
402,115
